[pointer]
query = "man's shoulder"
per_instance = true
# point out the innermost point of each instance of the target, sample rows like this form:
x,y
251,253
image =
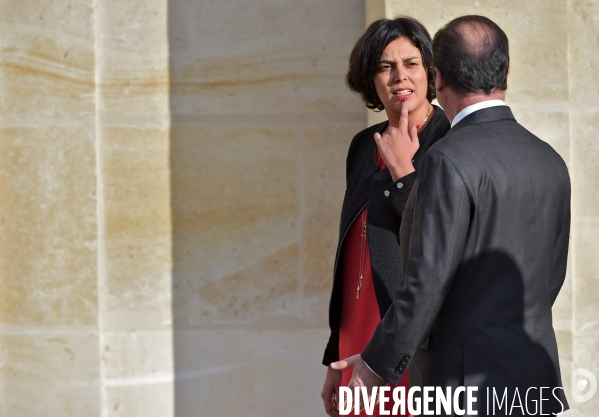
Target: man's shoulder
x,y
487,146
492,134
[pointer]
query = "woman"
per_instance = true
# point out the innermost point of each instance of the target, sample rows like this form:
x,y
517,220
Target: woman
x,y
391,68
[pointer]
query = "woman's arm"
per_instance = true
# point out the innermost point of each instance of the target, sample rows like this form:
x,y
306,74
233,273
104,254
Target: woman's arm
x,y
397,148
398,192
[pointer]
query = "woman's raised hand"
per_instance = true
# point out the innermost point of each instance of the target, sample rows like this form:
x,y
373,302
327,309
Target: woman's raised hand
x,y
397,146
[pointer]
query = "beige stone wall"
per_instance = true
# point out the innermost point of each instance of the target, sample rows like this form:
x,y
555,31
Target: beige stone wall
x,y
583,105
261,122
171,174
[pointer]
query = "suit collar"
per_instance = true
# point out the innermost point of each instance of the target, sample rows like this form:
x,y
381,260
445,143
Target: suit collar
x,y
490,114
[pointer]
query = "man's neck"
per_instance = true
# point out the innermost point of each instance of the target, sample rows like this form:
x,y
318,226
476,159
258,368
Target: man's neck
x,y
456,103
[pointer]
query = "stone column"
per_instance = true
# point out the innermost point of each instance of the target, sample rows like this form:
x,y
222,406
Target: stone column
x,y
49,335
133,207
85,226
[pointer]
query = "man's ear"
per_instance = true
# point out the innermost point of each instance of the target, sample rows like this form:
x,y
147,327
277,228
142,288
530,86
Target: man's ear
x,y
439,80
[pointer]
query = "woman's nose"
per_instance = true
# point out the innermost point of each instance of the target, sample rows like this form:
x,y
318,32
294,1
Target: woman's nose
x,y
397,76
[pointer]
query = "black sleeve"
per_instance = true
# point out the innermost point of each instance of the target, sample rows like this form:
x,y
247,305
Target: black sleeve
x,y
331,353
440,221
398,192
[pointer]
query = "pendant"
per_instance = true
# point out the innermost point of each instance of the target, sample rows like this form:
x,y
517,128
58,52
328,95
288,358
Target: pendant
x,y
360,281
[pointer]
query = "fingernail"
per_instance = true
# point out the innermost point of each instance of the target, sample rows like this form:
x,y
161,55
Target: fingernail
x,y
404,100
417,127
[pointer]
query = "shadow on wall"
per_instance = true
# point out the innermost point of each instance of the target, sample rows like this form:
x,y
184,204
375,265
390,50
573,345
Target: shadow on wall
x,y
261,121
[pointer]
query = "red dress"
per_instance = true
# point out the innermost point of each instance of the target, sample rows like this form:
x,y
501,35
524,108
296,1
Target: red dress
x,y
359,316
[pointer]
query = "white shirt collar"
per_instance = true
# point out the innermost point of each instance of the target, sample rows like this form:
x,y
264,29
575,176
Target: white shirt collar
x,y
474,107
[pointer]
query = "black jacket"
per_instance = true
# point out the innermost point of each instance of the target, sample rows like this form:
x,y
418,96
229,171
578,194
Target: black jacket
x,y
484,240
386,201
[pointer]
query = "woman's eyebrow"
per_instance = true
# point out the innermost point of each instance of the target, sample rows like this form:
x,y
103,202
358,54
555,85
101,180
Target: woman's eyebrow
x,y
389,61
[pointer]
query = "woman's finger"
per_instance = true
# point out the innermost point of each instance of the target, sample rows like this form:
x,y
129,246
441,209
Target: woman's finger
x,y
403,117
414,134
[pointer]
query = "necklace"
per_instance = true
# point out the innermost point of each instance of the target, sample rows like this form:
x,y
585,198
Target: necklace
x,y
362,255
428,113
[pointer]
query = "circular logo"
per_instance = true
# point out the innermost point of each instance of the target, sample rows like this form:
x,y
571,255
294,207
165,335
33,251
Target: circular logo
x,y
583,381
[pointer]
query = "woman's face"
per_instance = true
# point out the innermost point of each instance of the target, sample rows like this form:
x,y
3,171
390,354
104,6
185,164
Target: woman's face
x,y
401,75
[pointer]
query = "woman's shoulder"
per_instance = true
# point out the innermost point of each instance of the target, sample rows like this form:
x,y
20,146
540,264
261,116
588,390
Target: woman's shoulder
x,y
371,130
364,136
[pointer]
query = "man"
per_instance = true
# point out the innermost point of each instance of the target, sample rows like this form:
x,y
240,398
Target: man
x,y
484,238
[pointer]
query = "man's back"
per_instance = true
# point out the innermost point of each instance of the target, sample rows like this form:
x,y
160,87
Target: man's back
x,y
494,328
519,194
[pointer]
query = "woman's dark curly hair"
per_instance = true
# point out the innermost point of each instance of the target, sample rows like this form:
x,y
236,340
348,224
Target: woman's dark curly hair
x,y
364,58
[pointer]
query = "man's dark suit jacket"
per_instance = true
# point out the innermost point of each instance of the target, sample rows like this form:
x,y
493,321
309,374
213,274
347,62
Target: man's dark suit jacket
x,y
484,243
